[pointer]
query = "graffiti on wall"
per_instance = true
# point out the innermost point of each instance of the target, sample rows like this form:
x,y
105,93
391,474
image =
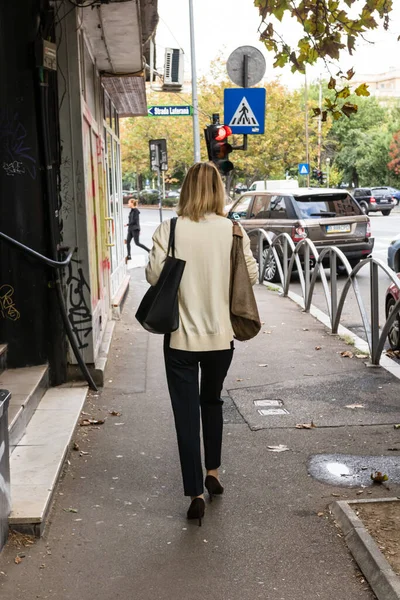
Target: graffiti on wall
x,y
15,151
79,313
8,309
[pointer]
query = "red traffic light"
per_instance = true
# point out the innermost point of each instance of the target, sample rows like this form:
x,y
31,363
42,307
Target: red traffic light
x,y
223,132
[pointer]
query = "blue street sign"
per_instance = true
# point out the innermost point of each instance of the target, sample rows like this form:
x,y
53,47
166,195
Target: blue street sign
x,y
169,111
244,110
304,168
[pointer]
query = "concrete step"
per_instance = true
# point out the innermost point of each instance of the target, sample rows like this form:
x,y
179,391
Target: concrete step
x,y
27,386
3,357
37,461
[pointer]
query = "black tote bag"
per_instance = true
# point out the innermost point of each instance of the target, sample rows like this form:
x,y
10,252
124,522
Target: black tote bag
x,y
158,311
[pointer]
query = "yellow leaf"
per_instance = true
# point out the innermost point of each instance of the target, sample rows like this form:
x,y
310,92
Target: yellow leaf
x,y
362,90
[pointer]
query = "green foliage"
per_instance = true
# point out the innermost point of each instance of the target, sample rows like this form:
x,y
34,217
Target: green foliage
x,y
327,29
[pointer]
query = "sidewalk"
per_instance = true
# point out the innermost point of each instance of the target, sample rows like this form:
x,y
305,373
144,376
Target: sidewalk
x,y
266,537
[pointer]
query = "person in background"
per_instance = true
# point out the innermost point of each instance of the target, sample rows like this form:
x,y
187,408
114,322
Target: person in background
x,y
204,337
134,228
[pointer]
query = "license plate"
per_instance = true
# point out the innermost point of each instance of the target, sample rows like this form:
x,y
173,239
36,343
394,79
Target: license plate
x,y
338,229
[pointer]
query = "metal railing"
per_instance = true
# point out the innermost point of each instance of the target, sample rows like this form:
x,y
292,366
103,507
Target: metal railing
x,y
300,254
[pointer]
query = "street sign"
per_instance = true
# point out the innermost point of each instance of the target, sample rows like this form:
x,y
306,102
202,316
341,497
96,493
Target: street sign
x,y
169,111
158,155
244,110
255,65
304,168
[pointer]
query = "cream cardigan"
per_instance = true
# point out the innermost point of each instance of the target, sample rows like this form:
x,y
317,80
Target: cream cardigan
x,y
204,321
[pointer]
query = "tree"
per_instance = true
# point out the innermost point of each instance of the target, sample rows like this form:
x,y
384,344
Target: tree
x,y
360,146
394,153
327,28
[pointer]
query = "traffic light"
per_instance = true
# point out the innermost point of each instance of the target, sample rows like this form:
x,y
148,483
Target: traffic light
x,y
218,147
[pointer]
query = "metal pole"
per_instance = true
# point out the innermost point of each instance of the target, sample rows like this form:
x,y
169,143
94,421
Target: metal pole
x,y
306,126
159,192
320,124
374,291
328,161
195,103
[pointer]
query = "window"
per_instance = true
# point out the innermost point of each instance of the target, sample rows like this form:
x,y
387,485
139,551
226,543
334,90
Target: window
x,y
260,208
277,208
239,210
324,205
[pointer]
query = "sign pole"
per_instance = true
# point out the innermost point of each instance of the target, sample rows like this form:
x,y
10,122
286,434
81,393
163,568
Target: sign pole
x,y
159,193
195,103
306,126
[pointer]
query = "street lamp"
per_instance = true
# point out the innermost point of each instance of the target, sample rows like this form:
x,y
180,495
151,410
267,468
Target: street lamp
x,y
328,162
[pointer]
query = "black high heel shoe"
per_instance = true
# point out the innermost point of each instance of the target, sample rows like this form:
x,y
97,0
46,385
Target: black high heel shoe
x,y
213,486
196,509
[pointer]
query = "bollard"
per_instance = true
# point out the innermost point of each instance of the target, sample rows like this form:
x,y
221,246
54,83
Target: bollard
x,y
5,492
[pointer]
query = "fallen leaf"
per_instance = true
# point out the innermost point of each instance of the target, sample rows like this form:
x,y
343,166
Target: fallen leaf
x,y
393,449
280,448
361,355
335,495
263,365
318,347
347,354
71,510
75,446
88,422
239,379
354,406
320,514
379,477
360,492
82,453
114,413
268,332
17,560
305,329
305,425
397,426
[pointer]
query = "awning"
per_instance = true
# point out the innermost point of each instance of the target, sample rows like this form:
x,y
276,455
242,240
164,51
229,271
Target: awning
x,y
128,94
117,32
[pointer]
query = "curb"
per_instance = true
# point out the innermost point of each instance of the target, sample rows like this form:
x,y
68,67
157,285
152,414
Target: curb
x,y
385,362
378,572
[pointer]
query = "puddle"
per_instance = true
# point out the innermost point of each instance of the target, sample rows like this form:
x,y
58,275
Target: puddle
x,y
348,470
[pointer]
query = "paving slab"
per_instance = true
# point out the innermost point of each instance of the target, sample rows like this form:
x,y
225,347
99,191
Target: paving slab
x,y
270,536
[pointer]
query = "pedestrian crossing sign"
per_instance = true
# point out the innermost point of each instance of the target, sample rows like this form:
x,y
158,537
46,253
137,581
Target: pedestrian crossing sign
x,y
304,168
244,110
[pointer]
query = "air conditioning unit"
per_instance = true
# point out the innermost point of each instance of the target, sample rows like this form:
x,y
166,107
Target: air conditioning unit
x,y
173,68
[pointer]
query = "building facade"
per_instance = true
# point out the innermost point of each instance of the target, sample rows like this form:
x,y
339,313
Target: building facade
x,y
75,69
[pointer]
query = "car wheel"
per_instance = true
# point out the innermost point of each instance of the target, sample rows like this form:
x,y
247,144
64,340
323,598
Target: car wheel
x,y
394,332
364,208
271,271
386,213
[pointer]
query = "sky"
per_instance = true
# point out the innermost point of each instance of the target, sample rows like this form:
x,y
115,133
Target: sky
x,y
223,25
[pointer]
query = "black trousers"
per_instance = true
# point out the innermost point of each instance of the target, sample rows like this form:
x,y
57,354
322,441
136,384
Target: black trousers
x,y
135,234
187,398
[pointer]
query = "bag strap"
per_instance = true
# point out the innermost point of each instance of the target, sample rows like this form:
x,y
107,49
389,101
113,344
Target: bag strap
x,y
171,241
237,230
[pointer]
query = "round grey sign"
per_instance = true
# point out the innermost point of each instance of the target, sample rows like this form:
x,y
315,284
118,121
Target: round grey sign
x,y
256,65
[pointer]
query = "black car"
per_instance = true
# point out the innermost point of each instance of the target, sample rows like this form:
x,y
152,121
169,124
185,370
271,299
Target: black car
x,y
375,199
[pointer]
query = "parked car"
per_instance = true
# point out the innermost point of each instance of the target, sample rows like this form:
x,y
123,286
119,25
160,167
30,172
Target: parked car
x,y
326,216
395,193
375,199
172,194
394,254
392,296
128,194
149,196
240,188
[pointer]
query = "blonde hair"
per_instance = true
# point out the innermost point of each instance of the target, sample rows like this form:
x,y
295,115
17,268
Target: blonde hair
x,y
202,192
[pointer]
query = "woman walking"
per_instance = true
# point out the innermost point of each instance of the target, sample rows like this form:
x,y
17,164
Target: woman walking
x,y
134,228
204,338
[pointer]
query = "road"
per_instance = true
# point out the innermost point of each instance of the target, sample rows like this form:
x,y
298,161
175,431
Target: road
x,y
384,229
